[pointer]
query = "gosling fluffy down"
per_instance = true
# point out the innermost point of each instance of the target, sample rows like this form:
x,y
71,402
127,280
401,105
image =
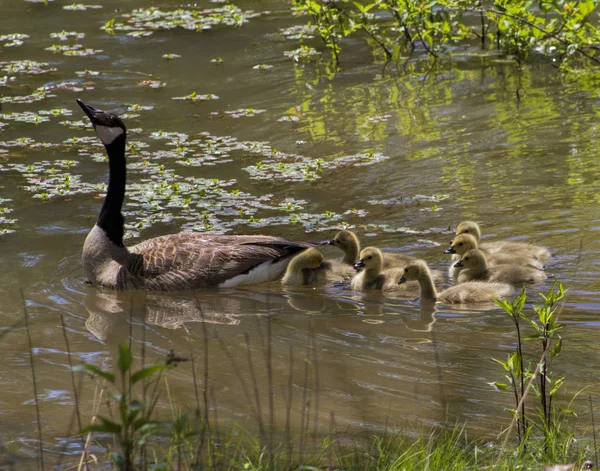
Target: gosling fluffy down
x,y
373,276
465,242
471,292
348,242
476,268
504,246
308,268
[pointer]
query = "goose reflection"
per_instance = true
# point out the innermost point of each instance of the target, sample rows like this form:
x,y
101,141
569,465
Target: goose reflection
x,y
111,309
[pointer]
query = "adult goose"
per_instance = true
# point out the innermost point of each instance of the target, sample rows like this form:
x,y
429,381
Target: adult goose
x,y
175,262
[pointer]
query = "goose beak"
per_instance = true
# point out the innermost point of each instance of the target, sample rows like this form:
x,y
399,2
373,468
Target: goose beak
x,y
450,250
90,111
358,265
402,280
459,264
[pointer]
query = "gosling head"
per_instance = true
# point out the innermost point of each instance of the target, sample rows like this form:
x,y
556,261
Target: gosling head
x,y
469,227
345,240
370,258
108,126
413,271
473,258
461,244
308,259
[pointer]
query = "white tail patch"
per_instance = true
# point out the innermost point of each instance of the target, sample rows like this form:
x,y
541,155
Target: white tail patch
x,y
108,134
263,273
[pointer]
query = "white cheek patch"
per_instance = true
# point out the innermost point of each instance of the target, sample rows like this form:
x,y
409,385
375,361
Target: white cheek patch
x,y
108,134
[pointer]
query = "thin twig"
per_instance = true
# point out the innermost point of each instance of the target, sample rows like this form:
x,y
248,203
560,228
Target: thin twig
x,y
75,394
288,406
261,425
594,432
35,392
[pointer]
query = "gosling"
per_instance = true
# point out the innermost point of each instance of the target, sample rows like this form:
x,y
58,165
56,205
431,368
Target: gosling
x,y
373,276
476,268
504,246
465,242
306,268
348,242
471,292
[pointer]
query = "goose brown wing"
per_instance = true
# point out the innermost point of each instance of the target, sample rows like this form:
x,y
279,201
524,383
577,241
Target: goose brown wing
x,y
188,261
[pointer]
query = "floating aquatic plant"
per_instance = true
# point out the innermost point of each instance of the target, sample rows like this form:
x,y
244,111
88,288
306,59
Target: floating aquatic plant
x,y
145,21
152,84
72,50
66,35
171,56
303,53
81,7
13,40
87,73
195,97
299,32
28,117
262,67
26,67
244,112
405,200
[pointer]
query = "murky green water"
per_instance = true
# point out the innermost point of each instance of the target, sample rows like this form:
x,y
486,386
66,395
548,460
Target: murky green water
x,y
406,152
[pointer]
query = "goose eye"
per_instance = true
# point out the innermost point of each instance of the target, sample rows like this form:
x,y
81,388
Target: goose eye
x,y
466,232
369,257
460,244
466,258
406,270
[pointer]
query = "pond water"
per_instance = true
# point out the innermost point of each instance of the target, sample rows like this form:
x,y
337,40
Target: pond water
x,y
400,153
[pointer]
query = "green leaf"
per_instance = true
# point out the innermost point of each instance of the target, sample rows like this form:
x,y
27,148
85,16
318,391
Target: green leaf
x,y
503,364
125,358
556,348
96,371
499,386
145,372
557,385
569,412
106,426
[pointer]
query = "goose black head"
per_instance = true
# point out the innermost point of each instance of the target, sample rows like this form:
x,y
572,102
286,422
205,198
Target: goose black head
x,y
108,126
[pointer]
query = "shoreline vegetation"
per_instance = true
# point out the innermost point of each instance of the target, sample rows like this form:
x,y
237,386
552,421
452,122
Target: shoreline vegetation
x,y
128,432
564,32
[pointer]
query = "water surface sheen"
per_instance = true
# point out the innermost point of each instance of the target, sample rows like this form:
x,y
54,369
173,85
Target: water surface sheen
x,y
407,151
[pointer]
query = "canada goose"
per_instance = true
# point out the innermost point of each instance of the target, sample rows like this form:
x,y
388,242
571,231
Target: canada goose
x,y
348,242
539,253
174,262
374,276
465,242
465,293
476,267
306,268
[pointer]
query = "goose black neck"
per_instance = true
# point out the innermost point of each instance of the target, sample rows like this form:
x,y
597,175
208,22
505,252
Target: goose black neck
x,y
110,219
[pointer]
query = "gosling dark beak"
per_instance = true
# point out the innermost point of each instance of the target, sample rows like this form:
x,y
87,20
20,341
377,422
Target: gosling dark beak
x,y
402,280
450,250
90,111
459,264
358,265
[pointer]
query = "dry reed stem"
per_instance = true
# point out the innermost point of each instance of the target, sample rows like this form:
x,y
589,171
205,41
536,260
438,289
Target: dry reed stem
x,y
35,392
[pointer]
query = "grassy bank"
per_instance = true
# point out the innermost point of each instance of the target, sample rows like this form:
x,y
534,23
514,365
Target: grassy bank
x,y
129,432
